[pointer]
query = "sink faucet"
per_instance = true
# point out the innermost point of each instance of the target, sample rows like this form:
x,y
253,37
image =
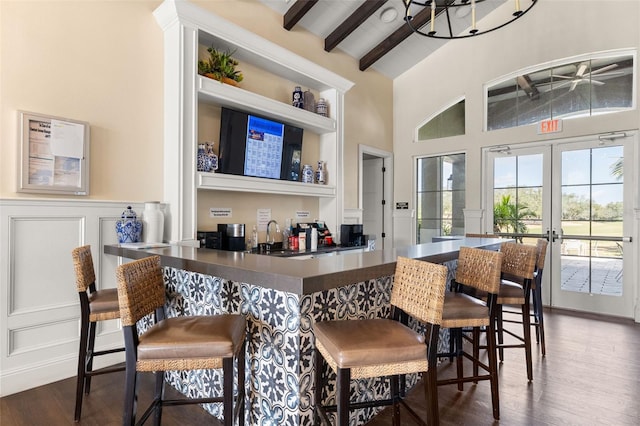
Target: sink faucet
x,y
271,240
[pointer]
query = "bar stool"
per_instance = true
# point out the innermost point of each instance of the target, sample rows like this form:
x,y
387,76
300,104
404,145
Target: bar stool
x,y
178,343
386,347
95,305
518,268
477,276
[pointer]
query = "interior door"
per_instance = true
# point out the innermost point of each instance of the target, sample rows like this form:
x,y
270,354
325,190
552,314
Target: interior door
x,y
592,224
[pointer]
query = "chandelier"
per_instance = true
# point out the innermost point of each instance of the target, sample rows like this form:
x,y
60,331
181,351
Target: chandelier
x,y
432,15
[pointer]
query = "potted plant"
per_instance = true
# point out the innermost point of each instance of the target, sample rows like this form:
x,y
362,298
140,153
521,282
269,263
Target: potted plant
x,y
220,65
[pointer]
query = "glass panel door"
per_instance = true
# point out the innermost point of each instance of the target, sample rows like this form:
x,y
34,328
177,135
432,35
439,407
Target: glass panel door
x,y
592,225
575,193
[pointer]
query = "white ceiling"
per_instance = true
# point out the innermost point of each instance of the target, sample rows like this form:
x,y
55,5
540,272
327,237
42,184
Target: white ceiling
x,y
326,15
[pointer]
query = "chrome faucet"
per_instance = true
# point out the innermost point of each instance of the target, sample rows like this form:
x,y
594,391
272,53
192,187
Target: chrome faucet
x,y
271,240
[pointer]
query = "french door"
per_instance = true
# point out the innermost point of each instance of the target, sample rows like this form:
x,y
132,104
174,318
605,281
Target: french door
x,y
579,195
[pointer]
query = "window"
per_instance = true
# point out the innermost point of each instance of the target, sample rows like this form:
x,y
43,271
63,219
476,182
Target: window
x,y
449,122
441,196
586,87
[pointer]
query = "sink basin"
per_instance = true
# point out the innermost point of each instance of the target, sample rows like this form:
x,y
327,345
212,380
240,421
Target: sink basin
x,y
322,252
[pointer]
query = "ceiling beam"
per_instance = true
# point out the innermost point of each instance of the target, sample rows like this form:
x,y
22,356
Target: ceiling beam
x,y
295,13
350,24
397,37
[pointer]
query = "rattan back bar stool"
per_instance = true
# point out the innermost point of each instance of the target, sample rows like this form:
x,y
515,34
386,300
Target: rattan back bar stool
x,y
477,275
518,268
382,347
95,305
178,343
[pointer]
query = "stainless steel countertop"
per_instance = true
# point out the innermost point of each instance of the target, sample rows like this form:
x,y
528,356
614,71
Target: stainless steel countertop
x,y
301,276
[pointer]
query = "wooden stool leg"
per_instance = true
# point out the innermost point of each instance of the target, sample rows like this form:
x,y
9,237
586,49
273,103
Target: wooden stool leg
x,y
395,395
476,351
227,389
317,393
459,357
540,318
493,367
499,326
431,393
342,397
526,325
90,350
82,359
159,396
241,392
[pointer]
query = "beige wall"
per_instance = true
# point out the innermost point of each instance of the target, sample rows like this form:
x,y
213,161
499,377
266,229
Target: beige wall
x,y
550,31
101,62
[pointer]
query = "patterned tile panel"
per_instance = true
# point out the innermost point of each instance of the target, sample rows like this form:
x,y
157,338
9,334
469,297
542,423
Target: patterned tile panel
x,y
280,343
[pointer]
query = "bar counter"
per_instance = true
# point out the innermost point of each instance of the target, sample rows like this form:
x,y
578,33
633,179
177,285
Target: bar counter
x,y
305,276
281,298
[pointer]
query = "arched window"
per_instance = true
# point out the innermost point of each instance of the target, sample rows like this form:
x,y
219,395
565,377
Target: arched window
x,y
449,122
585,86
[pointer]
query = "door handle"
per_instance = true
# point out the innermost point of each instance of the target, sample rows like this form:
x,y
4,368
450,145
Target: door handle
x,y
555,236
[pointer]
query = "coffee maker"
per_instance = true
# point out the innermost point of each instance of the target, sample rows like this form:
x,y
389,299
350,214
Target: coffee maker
x,y
351,236
232,236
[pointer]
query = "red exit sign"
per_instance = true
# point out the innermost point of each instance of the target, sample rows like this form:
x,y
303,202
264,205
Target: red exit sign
x,y
550,126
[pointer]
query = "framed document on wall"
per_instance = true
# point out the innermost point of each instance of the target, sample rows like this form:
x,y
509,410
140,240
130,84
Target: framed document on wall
x,y
55,155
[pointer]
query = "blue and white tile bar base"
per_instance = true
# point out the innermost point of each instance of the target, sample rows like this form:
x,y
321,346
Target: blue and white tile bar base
x,y
279,364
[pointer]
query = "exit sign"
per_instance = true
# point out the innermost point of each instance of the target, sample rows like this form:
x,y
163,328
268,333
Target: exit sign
x,y
550,126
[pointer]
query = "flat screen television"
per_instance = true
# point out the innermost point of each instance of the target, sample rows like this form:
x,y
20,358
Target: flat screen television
x,y
256,146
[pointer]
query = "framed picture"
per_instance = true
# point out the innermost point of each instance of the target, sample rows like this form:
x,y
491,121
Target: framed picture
x,y
55,155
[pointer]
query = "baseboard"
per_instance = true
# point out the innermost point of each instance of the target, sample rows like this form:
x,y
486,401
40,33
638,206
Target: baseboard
x,y
53,370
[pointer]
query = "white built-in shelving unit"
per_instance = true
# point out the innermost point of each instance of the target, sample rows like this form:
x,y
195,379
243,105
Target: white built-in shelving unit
x,y
186,28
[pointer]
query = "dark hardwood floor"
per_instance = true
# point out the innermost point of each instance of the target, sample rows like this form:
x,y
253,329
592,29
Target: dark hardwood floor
x,y
590,376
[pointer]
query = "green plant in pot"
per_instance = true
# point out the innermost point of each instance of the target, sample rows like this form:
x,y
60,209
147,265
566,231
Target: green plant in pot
x,y
220,65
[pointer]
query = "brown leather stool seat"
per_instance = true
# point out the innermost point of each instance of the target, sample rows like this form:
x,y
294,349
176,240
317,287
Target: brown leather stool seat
x,y
95,305
477,275
385,347
178,343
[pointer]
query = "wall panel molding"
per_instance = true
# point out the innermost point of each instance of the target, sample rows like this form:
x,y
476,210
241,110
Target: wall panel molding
x,y
39,306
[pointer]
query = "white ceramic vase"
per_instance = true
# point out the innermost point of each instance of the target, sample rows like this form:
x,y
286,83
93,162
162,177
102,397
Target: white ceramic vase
x,y
152,222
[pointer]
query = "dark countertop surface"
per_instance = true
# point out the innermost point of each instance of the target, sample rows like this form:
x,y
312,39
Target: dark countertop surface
x,y
301,274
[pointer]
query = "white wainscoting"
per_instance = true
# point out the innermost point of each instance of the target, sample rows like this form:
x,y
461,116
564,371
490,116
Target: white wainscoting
x,y
39,305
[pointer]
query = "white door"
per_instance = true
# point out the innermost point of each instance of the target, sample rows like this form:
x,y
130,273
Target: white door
x,y
592,225
573,193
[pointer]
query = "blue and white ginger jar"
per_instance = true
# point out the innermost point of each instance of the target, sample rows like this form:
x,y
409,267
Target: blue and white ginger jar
x,y
129,228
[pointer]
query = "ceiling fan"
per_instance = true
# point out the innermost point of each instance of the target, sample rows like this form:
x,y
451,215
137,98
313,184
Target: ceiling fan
x,y
581,76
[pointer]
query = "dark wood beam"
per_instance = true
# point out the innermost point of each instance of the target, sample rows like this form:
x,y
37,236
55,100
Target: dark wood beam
x,y
295,13
397,37
350,24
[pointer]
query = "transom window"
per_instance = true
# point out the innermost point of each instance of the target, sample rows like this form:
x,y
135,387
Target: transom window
x,y
585,87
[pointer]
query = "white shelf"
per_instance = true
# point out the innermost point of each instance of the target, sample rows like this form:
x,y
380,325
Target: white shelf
x,y
186,28
214,92
225,182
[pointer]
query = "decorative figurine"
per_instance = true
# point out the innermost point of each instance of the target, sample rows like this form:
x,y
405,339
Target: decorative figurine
x,y
298,98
